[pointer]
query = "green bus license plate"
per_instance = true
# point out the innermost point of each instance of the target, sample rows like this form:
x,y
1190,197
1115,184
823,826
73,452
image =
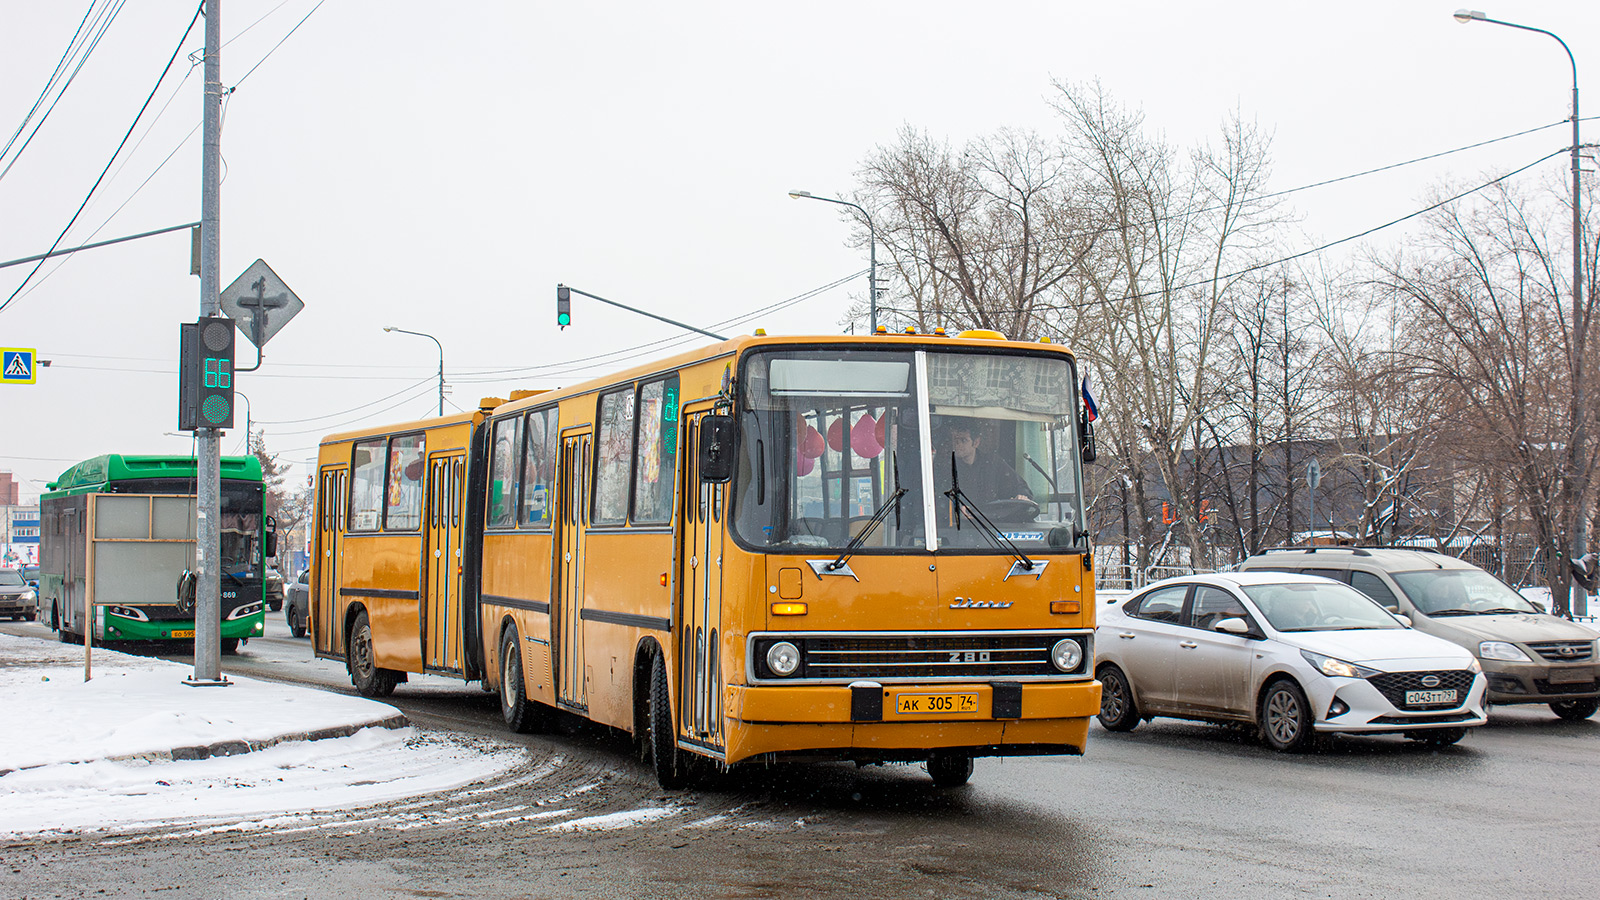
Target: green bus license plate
x,y
184,633
1416,697
922,704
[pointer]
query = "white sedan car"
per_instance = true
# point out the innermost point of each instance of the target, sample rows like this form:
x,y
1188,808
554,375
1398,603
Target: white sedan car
x,y
1296,655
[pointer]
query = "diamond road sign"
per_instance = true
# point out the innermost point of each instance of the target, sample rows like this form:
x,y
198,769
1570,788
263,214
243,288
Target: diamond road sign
x,y
260,302
18,365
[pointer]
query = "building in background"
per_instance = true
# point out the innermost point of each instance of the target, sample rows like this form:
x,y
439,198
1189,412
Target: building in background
x,y
19,525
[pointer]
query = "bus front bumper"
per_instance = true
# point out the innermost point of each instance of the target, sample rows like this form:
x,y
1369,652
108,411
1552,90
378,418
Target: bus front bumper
x,y
904,722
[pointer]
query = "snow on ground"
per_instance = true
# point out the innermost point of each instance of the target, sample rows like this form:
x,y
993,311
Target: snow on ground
x,y
89,755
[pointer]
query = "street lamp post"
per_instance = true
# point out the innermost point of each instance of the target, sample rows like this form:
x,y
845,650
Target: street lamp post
x,y
1576,480
872,251
441,358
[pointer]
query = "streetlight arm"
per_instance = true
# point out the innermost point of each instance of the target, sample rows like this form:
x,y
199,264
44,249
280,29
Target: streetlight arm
x,y
872,249
441,358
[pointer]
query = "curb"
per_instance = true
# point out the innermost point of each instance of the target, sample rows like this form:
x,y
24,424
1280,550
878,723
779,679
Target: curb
x,y
235,748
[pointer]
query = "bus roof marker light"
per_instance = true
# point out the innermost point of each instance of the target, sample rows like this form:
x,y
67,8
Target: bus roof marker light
x,y
761,332
881,329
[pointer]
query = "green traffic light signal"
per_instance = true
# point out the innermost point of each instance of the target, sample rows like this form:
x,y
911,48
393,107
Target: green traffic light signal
x,y
563,305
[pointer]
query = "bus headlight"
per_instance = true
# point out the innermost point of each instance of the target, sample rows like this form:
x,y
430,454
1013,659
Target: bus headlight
x,y
783,658
1066,655
249,609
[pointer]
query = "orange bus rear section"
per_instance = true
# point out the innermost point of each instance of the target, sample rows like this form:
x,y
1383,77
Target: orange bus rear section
x,y
518,518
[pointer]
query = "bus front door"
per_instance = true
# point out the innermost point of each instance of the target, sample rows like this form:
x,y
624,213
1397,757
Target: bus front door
x,y
699,663
441,612
326,624
566,624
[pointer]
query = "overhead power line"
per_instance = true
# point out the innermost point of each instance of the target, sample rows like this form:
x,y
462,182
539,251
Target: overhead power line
x,y
134,124
1321,247
101,24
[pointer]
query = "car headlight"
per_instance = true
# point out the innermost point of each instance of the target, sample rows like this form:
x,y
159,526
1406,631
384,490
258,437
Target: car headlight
x,y
1066,655
29,597
1337,668
783,658
1502,650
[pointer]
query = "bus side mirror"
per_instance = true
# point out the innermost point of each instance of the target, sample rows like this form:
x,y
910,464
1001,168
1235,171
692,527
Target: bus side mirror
x,y
717,442
1086,439
269,540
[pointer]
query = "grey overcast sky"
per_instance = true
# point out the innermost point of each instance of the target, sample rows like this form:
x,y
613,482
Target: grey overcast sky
x,y
440,167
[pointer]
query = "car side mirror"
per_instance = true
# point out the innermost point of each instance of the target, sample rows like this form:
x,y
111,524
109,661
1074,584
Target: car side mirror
x,y
269,541
716,452
1086,439
1404,619
1232,626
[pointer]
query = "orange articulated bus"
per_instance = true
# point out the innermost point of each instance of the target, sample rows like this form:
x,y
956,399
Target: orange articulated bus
x,y
771,548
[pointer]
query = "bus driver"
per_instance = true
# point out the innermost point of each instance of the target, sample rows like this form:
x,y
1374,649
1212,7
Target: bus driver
x,y
983,477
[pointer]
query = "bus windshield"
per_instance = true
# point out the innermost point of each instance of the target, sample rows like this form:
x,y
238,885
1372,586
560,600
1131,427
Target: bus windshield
x,y
982,444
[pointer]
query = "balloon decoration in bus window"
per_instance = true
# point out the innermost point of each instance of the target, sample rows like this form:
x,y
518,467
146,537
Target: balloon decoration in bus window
x,y
366,485
835,448
658,452
503,473
615,462
539,468
403,511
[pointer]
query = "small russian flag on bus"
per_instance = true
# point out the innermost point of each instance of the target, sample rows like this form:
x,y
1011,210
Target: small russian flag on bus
x,y
1089,407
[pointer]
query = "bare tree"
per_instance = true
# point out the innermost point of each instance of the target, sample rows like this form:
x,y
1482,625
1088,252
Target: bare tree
x,y
1485,287
1173,231
979,239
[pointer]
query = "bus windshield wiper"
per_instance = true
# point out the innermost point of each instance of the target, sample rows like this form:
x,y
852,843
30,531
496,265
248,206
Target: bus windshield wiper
x,y
890,502
988,528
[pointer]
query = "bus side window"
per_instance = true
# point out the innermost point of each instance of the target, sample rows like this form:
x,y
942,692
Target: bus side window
x,y
366,484
614,458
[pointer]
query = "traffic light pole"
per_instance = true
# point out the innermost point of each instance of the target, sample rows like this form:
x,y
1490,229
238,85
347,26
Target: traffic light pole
x,y
561,295
208,464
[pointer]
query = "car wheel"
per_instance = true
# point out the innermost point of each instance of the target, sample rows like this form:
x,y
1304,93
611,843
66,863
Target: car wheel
x,y
1284,718
1575,710
521,714
1117,709
1438,737
297,623
949,770
369,679
671,764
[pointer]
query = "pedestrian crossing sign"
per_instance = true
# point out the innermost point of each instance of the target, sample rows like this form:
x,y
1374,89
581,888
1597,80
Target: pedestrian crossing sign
x,y
18,365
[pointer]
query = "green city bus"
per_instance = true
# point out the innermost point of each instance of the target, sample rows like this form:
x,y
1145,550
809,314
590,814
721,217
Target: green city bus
x,y
117,534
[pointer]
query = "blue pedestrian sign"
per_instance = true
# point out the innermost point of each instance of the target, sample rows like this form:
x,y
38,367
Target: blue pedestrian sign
x,y
18,365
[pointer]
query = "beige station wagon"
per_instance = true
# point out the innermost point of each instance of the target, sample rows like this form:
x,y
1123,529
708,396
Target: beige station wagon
x,y
1527,655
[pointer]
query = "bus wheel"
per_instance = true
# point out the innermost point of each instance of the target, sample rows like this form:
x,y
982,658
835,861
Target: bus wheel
x,y
521,714
370,681
230,646
672,768
949,770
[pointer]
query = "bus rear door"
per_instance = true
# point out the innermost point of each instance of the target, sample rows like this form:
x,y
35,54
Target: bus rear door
x,y
326,625
566,624
441,619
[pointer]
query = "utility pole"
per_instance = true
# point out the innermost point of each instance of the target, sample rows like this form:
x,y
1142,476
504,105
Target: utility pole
x,y
208,464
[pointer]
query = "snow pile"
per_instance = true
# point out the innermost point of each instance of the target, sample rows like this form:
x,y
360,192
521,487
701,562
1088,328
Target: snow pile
x,y
120,750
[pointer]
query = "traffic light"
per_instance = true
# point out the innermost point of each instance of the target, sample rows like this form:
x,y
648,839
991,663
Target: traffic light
x,y
563,305
205,374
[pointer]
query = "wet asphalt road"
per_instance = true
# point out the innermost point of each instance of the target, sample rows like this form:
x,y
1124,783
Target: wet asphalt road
x,y
1170,810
